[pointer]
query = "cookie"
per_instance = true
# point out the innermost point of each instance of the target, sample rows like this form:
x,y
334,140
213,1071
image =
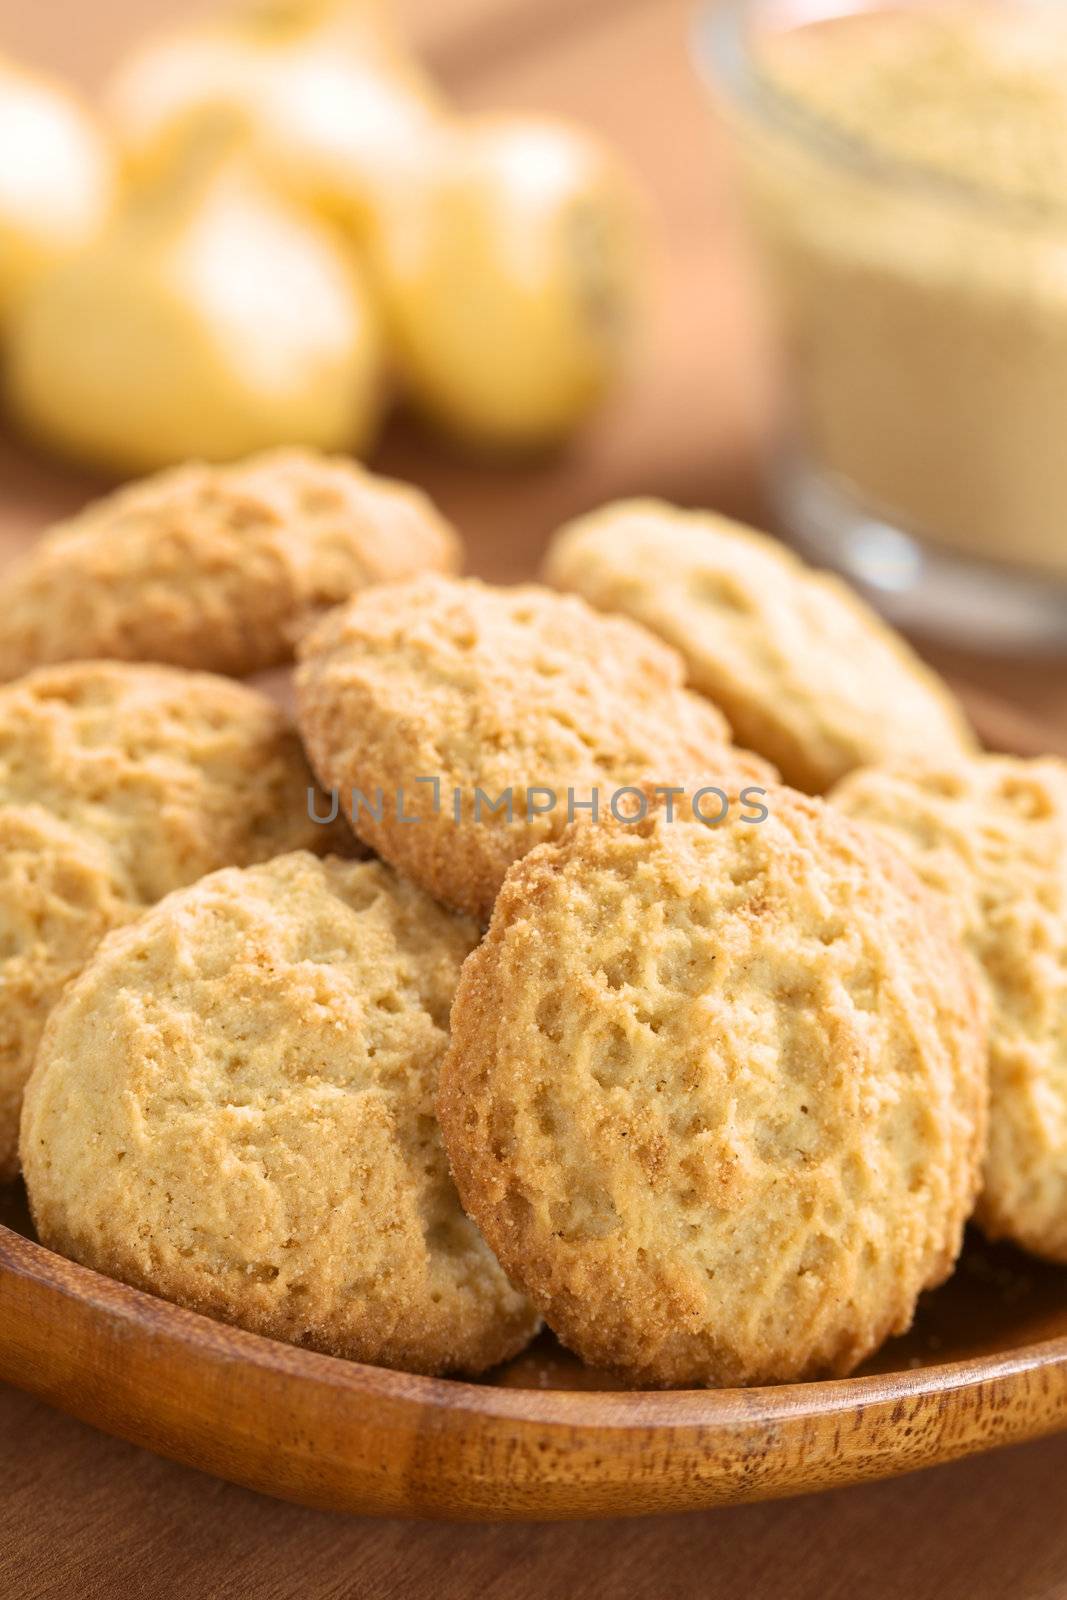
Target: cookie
x,y
119,783
989,835
215,567
807,674
426,704
233,1107
60,892
716,1096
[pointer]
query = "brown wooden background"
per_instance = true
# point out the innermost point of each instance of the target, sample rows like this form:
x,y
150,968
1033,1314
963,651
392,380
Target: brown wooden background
x,y
83,1516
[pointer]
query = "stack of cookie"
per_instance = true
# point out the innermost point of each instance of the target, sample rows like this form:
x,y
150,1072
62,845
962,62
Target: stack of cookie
x,y
620,1028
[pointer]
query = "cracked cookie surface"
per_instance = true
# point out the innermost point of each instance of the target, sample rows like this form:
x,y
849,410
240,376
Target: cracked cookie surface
x,y
437,688
119,783
989,835
807,674
716,1097
217,568
233,1107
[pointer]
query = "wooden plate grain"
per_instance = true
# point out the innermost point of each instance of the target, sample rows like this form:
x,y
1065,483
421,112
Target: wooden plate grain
x,y
985,1365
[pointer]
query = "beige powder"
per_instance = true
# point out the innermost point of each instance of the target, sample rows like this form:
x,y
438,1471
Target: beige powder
x,y
918,243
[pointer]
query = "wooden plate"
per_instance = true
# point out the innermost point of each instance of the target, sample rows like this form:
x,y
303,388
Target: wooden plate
x,y
985,1365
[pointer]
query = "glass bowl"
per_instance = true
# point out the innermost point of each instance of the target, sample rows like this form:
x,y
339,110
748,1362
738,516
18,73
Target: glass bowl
x,y
924,321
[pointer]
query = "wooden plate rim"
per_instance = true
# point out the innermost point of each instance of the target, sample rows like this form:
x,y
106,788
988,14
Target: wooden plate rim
x,y
400,1444
673,1408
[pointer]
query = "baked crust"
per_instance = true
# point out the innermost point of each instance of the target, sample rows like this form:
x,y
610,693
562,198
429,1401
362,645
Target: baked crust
x,y
472,687
989,835
807,674
233,1107
216,568
119,783
717,1097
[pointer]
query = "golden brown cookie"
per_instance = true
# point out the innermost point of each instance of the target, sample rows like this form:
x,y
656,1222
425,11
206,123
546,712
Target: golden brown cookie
x,y
215,567
427,704
990,836
119,783
60,892
807,674
233,1107
716,1096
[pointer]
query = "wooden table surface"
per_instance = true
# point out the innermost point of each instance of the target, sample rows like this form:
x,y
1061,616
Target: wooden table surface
x,y
85,1516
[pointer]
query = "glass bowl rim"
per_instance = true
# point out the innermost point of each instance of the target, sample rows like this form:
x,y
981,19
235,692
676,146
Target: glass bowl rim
x,y
729,69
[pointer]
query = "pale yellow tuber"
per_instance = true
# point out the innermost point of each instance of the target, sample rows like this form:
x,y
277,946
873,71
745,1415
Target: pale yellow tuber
x,y
212,320
331,105
55,178
510,280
